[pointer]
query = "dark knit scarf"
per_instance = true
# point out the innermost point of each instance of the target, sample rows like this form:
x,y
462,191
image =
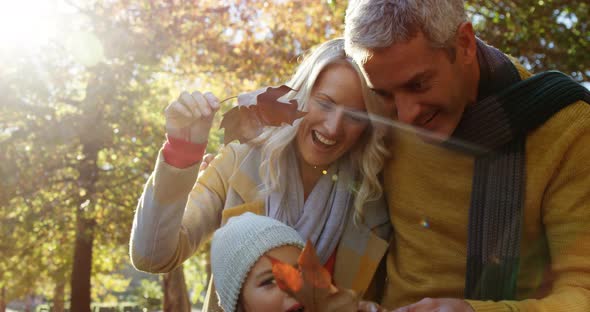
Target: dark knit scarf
x,y
507,109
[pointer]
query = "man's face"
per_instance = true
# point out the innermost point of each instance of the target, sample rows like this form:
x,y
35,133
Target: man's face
x,y
428,87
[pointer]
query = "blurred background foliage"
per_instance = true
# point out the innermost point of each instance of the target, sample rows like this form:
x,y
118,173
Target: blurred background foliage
x,y
82,88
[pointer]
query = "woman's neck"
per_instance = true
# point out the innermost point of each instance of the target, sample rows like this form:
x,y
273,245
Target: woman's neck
x,y
310,174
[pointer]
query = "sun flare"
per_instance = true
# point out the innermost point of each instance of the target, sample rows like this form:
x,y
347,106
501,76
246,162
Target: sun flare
x,y
27,24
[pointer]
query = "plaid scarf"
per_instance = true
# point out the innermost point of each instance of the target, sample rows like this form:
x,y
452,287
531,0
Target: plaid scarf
x,y
506,111
322,217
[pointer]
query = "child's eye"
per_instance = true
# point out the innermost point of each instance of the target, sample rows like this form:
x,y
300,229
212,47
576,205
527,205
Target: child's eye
x,y
267,282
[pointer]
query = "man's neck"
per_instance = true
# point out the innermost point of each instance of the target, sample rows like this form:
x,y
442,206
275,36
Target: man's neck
x,y
483,76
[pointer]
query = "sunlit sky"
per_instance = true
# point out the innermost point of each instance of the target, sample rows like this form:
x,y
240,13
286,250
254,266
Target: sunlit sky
x,y
27,27
27,24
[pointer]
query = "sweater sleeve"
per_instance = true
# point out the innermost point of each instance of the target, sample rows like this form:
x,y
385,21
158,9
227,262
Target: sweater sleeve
x,y
175,214
566,218
182,154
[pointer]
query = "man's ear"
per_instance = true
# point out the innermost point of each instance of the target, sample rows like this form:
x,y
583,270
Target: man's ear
x,y
466,43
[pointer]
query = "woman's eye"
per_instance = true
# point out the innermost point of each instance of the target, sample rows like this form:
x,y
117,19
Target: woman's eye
x,y
358,118
324,105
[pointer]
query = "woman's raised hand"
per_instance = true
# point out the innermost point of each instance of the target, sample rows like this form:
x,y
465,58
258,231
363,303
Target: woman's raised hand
x,y
190,117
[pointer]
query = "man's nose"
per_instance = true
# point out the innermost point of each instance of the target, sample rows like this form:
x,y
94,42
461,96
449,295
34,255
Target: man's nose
x,y
407,110
333,122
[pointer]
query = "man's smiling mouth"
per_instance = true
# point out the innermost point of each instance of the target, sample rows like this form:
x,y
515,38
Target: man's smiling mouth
x,y
430,118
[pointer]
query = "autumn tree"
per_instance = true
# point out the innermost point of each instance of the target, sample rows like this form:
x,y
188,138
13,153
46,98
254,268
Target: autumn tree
x,y
81,117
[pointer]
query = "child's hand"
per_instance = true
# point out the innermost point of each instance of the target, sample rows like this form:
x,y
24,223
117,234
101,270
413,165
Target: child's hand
x,y
345,300
369,306
341,300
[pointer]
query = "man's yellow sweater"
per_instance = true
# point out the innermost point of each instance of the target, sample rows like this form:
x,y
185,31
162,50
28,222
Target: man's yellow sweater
x,y
428,189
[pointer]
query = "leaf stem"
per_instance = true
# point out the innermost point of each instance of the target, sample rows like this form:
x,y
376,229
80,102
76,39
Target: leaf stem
x,y
229,98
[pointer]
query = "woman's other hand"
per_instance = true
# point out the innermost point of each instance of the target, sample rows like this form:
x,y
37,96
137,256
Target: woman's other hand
x,y
190,117
207,159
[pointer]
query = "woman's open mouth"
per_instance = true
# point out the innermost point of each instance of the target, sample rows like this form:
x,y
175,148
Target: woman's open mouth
x,y
320,139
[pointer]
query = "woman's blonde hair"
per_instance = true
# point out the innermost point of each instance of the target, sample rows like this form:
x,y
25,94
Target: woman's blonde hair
x,y
367,154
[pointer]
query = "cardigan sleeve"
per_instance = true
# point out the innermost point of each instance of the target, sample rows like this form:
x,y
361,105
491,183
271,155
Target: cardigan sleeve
x,y
566,219
175,214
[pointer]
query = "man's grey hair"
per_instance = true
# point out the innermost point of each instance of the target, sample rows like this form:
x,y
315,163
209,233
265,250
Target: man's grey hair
x,y
372,24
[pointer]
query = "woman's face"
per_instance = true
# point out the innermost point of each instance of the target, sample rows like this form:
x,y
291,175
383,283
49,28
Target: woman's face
x,y
334,120
260,291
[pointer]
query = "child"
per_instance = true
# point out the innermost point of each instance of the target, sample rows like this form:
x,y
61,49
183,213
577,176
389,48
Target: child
x,y
243,278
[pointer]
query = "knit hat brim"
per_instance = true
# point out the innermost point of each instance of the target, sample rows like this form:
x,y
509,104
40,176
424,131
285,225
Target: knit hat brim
x,y
238,245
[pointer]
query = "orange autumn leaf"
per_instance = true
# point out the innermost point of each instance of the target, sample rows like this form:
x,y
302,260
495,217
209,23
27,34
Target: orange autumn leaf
x,y
312,269
310,284
246,122
287,277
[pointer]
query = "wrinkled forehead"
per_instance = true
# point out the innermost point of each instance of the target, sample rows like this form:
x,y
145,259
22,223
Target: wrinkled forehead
x,y
395,65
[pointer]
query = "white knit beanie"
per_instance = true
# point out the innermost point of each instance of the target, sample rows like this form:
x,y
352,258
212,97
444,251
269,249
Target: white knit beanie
x,y
237,246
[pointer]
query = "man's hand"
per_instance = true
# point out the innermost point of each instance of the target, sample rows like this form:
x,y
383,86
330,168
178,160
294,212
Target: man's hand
x,y
438,305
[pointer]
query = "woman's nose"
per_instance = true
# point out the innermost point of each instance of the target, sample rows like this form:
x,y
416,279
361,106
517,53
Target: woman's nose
x,y
333,122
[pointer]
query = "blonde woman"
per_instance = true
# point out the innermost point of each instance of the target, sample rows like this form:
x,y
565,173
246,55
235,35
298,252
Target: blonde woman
x,y
319,176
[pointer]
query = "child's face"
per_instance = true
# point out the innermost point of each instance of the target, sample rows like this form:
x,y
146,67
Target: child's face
x,y
260,291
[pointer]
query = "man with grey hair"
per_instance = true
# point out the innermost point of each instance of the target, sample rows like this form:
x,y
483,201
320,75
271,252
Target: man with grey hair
x,y
500,227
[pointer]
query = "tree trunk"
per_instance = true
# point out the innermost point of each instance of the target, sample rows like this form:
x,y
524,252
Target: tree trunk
x,y
29,303
175,292
82,269
3,299
58,296
85,227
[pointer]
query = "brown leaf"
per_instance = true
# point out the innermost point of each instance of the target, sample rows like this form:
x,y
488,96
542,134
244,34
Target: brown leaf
x,y
241,123
275,113
249,98
244,123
